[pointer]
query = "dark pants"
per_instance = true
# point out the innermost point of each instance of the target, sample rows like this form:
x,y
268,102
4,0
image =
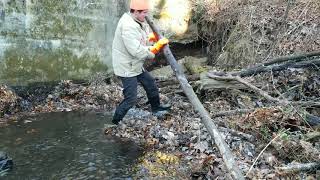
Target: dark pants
x,y
130,85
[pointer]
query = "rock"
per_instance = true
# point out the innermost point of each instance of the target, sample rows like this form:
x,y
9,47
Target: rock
x,y
195,65
6,163
169,136
189,64
166,72
201,146
175,18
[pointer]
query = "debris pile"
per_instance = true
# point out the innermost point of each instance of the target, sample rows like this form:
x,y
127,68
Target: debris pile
x,y
8,102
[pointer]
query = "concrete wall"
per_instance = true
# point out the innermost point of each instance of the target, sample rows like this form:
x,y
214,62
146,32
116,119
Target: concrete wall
x,y
45,40
49,40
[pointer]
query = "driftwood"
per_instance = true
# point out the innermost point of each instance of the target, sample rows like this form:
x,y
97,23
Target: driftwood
x,y
205,117
293,168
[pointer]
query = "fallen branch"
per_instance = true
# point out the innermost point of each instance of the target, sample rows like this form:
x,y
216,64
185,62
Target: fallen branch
x,y
293,168
205,117
306,103
274,68
296,58
232,112
251,86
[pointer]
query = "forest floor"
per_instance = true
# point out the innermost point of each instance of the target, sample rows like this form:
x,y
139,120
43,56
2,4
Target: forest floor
x,y
268,140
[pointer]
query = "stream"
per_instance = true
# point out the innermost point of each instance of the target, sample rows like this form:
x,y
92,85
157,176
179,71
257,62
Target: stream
x,y
67,145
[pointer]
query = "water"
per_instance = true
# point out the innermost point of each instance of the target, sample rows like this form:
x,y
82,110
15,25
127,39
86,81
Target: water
x,y
66,146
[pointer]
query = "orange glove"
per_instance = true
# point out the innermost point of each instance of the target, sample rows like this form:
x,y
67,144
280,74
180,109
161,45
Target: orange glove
x,y
159,45
153,37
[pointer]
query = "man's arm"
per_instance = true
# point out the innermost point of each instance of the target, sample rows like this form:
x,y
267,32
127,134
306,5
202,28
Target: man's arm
x,y
131,38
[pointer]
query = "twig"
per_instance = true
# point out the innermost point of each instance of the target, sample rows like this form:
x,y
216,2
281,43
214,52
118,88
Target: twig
x,y
255,161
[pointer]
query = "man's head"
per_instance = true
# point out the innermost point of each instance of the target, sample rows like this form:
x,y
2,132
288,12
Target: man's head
x,y
139,9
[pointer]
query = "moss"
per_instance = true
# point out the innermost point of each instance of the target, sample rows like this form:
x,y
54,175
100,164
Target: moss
x,y
55,20
21,65
58,20
15,6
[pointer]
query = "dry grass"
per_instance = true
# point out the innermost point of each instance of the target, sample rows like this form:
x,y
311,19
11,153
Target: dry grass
x,y
242,32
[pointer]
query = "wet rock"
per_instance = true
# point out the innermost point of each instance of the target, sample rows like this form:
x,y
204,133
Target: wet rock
x,y
201,146
6,163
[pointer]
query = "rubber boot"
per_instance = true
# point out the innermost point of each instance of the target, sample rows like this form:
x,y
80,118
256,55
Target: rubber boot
x,y
158,110
116,118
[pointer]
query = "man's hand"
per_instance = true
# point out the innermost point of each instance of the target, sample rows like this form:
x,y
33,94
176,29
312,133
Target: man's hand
x,y
159,45
153,37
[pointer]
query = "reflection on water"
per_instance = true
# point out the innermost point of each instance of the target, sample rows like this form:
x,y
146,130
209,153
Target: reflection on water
x,y
66,146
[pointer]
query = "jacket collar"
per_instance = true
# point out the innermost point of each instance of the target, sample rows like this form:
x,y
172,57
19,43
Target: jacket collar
x,y
136,20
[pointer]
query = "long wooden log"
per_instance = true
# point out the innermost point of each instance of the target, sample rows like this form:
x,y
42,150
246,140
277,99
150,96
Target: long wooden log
x,y
291,59
296,58
290,64
205,117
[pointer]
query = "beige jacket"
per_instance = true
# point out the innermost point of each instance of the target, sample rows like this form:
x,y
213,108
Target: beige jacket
x,y
129,47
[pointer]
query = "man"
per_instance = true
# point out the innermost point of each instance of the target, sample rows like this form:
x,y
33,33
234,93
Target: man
x,y
129,51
